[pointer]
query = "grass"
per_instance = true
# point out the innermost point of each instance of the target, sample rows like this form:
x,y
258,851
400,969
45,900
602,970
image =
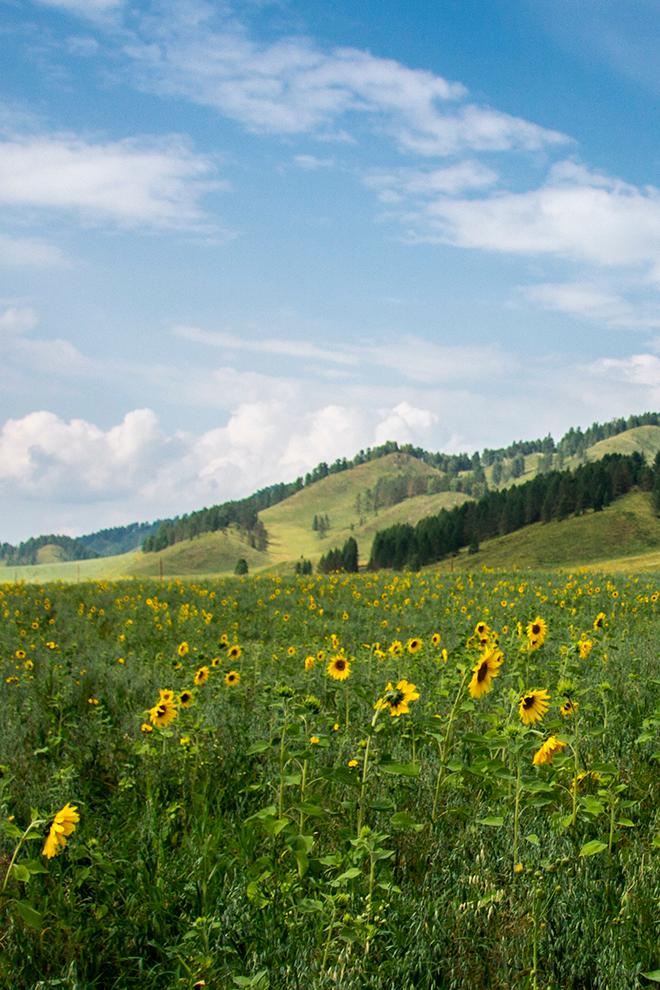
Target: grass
x,y
625,536
283,832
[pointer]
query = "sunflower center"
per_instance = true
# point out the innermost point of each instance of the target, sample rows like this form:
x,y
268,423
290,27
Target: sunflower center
x,y
482,672
528,702
340,664
536,629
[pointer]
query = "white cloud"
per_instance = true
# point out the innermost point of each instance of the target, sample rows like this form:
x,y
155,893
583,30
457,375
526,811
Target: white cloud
x,y
406,423
76,460
394,186
594,302
291,86
639,369
131,183
297,349
17,320
578,215
312,163
28,252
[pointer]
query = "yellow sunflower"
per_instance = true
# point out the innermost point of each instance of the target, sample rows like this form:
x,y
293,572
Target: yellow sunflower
x,y
533,706
163,713
186,699
309,662
339,667
585,647
201,676
569,708
435,639
183,649
485,671
397,699
63,825
548,751
536,633
232,678
600,621
414,645
396,649
234,652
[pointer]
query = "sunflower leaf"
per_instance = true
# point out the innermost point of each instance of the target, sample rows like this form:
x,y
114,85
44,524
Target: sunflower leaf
x,y
593,847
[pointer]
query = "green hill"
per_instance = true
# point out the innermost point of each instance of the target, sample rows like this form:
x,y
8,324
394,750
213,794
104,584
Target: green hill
x,y
624,536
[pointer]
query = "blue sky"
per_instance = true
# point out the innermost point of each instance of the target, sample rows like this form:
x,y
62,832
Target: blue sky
x,y
240,238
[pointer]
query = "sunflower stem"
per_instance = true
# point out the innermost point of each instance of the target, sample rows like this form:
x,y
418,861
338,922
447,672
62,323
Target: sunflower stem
x,y
576,763
365,768
516,811
444,752
35,824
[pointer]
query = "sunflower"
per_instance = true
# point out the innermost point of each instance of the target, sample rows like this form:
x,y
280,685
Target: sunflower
x,y
548,750
291,651
585,647
145,727
414,645
533,705
224,639
234,652
63,825
339,668
396,649
232,678
201,676
163,713
600,621
165,695
484,671
569,708
435,639
309,662
183,649
536,633
186,699
397,699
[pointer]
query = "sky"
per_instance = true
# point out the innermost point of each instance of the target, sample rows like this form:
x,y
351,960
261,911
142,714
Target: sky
x,y
237,239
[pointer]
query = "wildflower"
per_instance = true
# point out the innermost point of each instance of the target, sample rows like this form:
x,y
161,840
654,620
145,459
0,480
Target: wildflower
x,y
533,706
145,727
335,727
291,651
445,655
353,763
314,740
63,825
536,633
585,647
183,649
186,699
234,652
163,713
339,668
184,741
397,699
548,750
414,645
485,671
569,708
232,677
309,662
92,701
121,660
518,868
201,676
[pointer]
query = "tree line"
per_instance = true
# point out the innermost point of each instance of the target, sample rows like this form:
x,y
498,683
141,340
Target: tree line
x,y
555,495
345,558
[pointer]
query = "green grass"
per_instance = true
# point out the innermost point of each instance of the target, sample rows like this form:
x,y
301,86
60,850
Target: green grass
x,y
624,536
642,439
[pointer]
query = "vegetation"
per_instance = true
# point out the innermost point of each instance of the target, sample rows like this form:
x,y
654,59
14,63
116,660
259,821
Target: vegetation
x,y
377,780
551,496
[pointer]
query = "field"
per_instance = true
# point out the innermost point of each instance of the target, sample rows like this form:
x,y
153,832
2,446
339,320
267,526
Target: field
x,y
374,781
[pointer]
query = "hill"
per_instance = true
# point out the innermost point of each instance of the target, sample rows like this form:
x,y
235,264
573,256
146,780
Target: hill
x,y
624,536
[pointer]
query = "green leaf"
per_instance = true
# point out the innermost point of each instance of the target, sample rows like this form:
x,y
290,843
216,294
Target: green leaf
x,y
593,847
20,872
401,769
258,747
493,821
404,820
626,823
27,914
534,839
13,831
653,976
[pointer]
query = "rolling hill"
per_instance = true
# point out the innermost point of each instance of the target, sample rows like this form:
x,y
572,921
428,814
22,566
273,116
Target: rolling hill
x,y
396,488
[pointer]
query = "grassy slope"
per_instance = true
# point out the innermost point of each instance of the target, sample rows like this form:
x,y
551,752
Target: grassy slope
x,y
289,524
622,529
625,536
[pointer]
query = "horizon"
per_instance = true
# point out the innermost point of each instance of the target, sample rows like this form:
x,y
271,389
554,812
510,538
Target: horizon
x,y
241,239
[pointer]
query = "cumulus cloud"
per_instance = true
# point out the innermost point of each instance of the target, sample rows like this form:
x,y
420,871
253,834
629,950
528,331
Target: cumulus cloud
x,y
76,460
406,423
135,182
17,320
594,302
395,186
84,8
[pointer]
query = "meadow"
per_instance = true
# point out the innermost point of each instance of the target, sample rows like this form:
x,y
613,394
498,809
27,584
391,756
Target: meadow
x,y
379,780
